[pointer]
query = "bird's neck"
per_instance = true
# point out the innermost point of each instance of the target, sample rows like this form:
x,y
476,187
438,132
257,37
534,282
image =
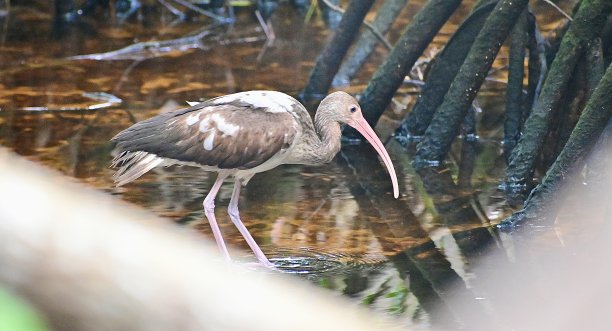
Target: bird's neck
x,y
320,141
327,141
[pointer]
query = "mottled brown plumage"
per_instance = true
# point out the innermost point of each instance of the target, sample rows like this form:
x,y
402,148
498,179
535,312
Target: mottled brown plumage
x,y
240,135
169,137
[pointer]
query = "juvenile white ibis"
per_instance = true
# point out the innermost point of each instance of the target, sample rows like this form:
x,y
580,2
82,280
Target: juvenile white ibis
x,y
240,135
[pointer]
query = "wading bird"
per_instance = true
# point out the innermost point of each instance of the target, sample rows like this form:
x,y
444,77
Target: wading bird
x,y
240,135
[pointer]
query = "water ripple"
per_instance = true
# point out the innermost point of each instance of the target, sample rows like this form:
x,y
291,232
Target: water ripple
x,y
307,261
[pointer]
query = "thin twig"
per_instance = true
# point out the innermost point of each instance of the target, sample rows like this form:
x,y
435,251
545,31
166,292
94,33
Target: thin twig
x,y
559,9
202,11
267,29
333,7
415,82
172,9
366,23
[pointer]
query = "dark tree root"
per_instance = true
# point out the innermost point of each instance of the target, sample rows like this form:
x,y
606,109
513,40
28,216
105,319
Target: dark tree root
x,y
441,73
447,118
586,26
589,128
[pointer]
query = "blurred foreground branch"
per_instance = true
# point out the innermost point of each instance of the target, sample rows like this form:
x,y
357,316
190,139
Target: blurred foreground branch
x,y
87,262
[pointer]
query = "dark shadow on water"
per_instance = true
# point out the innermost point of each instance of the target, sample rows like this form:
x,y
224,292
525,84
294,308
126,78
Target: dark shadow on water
x,y
424,266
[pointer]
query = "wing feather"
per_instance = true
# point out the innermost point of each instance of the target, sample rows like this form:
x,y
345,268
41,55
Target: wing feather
x,y
230,135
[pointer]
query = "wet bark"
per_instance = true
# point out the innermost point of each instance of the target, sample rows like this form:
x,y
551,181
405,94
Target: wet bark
x,y
594,65
563,119
590,126
588,72
388,78
587,24
385,17
514,90
329,61
587,75
606,35
537,67
441,74
447,119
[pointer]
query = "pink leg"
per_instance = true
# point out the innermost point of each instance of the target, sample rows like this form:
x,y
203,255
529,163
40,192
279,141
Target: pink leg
x,y
235,216
209,210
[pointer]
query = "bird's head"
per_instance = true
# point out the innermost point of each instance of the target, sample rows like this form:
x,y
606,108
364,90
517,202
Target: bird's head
x,y
343,108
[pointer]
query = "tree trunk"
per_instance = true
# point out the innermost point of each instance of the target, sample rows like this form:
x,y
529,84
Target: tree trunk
x,y
385,17
329,61
537,68
514,90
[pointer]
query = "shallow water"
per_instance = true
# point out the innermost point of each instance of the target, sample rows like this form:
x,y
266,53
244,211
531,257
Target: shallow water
x,y
336,225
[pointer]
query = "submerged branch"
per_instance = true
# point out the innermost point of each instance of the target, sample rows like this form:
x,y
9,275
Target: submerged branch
x,y
107,101
148,49
152,49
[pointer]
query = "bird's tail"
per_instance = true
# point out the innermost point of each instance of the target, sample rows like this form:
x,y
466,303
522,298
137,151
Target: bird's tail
x,y
131,165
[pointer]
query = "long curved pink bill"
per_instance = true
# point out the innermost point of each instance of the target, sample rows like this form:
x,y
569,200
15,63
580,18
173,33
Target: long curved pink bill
x,y
364,128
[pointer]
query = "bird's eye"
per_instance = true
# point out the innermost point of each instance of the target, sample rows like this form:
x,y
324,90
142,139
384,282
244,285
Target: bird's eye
x,y
353,109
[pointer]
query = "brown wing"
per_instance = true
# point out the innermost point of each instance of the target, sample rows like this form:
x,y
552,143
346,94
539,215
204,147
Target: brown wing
x,y
227,136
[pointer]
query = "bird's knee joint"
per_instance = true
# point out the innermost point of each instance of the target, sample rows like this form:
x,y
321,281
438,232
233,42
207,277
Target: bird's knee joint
x,y
233,212
209,205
